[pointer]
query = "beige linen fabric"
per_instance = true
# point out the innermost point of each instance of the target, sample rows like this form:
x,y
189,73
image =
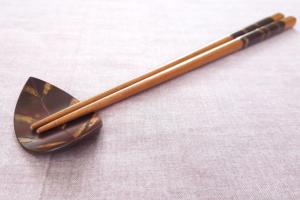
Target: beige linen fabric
x,y
230,130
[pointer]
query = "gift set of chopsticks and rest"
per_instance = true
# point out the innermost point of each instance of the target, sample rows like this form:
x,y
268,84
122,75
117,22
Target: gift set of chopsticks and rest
x,y
47,118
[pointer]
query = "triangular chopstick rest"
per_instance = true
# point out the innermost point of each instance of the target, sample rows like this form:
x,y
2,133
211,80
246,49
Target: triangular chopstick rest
x,y
39,99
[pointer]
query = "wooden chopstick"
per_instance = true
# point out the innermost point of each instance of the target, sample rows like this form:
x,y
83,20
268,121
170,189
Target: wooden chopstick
x,y
265,21
232,46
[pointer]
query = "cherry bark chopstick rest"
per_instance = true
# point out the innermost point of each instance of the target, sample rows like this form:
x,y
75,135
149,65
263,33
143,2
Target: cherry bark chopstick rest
x,y
37,100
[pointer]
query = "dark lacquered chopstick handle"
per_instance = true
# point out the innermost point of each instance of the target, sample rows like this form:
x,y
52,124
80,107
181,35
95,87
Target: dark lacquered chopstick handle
x,y
258,24
263,33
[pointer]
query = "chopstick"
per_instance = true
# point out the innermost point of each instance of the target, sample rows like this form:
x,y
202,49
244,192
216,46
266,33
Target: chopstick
x,y
230,47
265,21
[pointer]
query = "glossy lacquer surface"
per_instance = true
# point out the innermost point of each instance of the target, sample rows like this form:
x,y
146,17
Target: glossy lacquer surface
x,y
39,99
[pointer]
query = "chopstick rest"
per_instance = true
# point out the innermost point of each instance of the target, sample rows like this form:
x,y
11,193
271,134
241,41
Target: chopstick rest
x,y
39,99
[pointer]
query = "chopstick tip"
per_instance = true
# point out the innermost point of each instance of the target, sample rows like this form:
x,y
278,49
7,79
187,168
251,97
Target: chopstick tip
x,y
277,16
289,21
32,127
38,131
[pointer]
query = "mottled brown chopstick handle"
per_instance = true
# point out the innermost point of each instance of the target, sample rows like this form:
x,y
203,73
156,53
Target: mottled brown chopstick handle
x,y
257,24
263,33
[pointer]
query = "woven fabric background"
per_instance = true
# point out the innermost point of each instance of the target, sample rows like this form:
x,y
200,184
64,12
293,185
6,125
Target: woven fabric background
x,y
230,130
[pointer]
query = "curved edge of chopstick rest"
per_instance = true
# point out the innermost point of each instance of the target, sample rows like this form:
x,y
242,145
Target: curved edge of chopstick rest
x,y
267,31
258,24
39,99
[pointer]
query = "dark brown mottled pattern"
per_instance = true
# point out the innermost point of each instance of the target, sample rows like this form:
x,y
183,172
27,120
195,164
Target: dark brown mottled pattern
x,y
38,99
262,33
252,27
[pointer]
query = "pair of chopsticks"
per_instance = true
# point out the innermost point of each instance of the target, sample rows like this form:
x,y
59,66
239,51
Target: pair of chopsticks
x,y
248,36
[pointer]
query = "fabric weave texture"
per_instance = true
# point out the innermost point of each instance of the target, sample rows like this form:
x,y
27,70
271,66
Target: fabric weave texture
x,y
229,130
